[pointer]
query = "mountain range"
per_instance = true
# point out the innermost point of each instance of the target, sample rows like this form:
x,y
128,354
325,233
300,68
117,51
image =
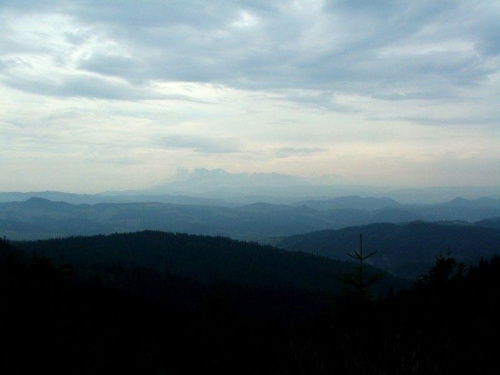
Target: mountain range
x,y
38,218
222,188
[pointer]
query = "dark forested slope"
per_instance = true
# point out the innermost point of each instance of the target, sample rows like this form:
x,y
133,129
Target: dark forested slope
x,y
200,258
59,319
406,249
56,319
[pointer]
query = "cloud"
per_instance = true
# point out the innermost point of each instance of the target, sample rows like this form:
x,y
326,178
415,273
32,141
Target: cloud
x,y
375,49
202,144
321,99
111,65
89,86
85,86
450,121
284,152
333,82
119,161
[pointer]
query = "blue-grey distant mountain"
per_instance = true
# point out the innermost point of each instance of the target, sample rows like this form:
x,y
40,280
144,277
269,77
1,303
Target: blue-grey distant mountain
x,y
353,201
202,179
50,195
218,187
249,188
434,195
288,189
460,209
211,181
479,203
58,196
258,221
407,250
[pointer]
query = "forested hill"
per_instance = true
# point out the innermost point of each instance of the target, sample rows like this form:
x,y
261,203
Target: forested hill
x,y
139,321
406,250
201,258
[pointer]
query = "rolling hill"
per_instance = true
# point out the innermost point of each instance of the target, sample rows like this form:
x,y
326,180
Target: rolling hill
x,y
406,250
201,258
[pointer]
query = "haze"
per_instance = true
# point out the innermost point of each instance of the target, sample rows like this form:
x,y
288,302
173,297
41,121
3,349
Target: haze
x,y
99,96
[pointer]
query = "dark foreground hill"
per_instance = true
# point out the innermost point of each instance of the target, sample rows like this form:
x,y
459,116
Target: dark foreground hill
x,y
202,258
406,250
57,319
61,319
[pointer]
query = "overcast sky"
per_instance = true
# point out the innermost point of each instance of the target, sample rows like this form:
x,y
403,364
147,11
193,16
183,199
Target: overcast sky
x,y
111,95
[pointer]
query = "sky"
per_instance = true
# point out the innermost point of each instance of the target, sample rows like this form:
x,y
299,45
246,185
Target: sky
x,y
114,95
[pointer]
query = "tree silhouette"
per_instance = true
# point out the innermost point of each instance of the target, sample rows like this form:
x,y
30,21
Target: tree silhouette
x,y
358,281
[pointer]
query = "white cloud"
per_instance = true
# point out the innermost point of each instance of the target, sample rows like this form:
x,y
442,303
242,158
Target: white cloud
x,y
286,86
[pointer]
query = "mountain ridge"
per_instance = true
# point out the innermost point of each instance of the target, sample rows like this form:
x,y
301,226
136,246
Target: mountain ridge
x,y
201,258
401,247
258,221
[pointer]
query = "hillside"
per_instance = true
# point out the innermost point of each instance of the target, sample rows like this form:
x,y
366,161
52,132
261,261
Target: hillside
x,y
120,319
406,250
64,319
201,258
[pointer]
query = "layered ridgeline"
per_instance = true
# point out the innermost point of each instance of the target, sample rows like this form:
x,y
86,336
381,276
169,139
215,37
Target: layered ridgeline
x,y
39,218
406,250
201,258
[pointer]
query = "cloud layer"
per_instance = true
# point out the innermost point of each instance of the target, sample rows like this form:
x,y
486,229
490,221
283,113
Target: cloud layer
x,y
358,88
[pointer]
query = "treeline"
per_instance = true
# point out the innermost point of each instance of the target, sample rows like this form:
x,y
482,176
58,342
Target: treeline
x,y
446,323
59,318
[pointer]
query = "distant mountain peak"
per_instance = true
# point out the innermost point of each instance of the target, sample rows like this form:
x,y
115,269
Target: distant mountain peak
x,y
352,202
37,200
481,202
43,203
202,180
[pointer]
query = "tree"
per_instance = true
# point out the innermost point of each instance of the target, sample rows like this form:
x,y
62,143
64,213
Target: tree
x,y
444,270
358,281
